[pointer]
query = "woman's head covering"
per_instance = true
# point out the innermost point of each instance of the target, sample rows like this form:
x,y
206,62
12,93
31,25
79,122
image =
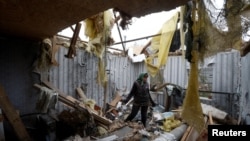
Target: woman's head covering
x,y
141,76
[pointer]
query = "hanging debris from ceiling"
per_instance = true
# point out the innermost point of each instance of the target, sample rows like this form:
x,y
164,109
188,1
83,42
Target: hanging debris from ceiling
x,y
192,111
44,59
98,30
161,45
126,19
223,28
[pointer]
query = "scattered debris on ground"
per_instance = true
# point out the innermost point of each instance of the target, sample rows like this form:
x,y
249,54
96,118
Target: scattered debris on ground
x,y
83,119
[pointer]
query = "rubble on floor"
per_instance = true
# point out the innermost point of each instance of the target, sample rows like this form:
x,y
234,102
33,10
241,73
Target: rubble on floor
x,y
165,126
83,121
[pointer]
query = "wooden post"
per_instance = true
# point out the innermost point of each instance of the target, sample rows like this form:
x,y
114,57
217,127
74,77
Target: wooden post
x,y
81,94
13,117
72,48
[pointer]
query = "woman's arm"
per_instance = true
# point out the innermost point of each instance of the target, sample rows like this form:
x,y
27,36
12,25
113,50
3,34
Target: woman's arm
x,y
132,93
151,100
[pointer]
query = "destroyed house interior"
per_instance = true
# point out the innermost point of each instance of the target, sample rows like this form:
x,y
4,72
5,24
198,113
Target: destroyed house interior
x,y
56,87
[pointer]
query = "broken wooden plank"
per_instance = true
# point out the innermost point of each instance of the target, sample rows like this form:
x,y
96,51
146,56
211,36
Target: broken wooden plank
x,y
76,103
13,117
114,102
210,118
72,47
193,135
184,137
81,94
55,48
83,98
218,114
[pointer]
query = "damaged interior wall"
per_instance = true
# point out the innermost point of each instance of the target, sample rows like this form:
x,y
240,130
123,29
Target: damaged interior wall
x,y
245,90
175,71
227,79
25,72
82,72
16,79
23,62
16,73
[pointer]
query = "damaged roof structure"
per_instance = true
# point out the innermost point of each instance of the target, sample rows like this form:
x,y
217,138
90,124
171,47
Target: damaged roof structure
x,y
43,19
29,24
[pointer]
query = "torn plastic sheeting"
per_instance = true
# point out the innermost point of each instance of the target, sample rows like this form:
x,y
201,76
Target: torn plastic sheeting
x,y
158,108
160,116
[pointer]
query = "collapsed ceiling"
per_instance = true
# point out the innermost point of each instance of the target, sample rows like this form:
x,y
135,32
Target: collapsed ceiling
x,y
39,19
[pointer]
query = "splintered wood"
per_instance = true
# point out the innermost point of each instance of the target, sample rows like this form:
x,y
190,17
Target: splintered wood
x,y
13,117
76,104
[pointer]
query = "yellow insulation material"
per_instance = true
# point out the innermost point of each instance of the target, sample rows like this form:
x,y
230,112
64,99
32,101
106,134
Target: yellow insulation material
x,y
98,29
192,111
91,103
101,76
90,28
162,44
170,123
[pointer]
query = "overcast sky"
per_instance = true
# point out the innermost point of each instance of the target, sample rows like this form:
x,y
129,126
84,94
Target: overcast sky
x,y
141,27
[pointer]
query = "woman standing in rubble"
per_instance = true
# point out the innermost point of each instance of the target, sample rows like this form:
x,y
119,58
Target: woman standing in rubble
x,y
142,98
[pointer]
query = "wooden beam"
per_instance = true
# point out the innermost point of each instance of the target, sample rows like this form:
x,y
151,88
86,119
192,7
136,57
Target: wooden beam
x,y
55,48
120,34
81,94
62,36
13,117
78,37
114,102
72,47
141,38
74,103
210,118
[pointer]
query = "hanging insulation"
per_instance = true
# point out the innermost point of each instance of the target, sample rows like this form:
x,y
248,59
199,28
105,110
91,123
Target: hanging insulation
x,y
162,44
192,111
98,29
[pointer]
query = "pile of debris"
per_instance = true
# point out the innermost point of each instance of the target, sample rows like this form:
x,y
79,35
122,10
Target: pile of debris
x,y
84,120
163,126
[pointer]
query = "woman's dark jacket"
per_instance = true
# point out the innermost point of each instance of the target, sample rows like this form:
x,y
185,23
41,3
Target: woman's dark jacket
x,y
140,92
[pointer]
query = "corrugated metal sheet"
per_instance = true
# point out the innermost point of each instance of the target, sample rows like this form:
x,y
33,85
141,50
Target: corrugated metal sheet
x,y
245,90
175,71
122,72
223,73
82,70
226,79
